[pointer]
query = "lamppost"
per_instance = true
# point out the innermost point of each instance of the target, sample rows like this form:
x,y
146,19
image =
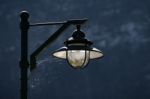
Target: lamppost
x,y
77,49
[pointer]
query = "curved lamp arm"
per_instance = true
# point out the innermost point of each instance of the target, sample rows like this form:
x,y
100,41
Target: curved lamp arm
x,y
52,38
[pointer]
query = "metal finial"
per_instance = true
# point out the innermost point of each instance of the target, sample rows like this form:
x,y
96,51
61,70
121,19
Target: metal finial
x,y
24,15
78,27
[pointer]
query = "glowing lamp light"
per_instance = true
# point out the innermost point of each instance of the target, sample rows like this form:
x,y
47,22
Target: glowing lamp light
x,y
78,50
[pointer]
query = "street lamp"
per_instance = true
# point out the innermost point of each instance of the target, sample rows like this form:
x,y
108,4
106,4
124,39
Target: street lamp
x,y
77,49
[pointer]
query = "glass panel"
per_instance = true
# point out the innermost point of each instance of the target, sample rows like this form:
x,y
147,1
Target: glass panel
x,y
78,58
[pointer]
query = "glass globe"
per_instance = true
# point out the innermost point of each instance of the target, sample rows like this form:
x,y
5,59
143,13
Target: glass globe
x,y
78,58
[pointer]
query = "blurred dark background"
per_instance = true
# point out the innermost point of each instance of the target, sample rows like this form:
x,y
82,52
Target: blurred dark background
x,y
120,28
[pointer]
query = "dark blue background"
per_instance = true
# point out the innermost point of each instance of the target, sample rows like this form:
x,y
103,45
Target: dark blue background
x,y
120,28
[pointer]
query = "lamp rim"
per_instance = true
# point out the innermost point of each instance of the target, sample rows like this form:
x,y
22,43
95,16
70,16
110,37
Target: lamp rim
x,y
64,48
74,41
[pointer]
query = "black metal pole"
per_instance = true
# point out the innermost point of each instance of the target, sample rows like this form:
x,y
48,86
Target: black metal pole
x,y
24,64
